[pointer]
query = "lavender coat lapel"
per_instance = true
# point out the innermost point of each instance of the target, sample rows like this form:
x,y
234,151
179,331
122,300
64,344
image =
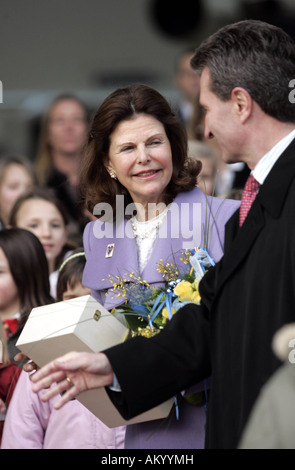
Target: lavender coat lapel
x,y
185,227
98,266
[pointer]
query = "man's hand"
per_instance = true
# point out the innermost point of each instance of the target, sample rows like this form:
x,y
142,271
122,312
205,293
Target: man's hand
x,y
72,374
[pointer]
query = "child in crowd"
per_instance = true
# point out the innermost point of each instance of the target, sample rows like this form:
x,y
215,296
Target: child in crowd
x,y
24,284
33,424
9,373
207,178
24,281
43,214
69,284
16,177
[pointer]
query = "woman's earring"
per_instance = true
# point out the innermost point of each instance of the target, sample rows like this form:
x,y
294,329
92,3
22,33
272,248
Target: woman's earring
x,y
112,173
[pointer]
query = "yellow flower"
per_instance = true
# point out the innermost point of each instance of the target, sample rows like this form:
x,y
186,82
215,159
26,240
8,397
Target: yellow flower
x,y
195,285
196,298
165,312
184,291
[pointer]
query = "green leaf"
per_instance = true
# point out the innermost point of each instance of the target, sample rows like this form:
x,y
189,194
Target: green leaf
x,y
134,322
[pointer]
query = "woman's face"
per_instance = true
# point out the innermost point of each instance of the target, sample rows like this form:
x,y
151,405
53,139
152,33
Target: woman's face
x,y
45,221
67,127
141,157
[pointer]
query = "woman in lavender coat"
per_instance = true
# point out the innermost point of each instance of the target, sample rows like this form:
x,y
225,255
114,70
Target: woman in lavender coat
x,y
140,185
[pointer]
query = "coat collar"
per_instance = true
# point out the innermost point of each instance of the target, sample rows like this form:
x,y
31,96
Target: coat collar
x,y
274,190
270,198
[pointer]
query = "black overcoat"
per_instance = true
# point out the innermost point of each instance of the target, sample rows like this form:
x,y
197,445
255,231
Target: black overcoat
x,y
246,297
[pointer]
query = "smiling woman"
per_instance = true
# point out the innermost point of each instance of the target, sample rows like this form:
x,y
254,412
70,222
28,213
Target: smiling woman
x,y
135,131
140,157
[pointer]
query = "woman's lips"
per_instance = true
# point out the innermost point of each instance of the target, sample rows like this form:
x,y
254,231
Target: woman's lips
x,y
147,174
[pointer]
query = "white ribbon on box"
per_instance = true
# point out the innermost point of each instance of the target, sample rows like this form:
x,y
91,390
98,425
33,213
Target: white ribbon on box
x,y
56,329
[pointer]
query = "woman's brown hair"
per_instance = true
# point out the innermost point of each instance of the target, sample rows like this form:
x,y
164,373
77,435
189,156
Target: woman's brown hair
x,y
123,104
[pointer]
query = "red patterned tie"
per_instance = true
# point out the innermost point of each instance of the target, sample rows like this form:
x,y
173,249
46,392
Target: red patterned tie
x,y
249,194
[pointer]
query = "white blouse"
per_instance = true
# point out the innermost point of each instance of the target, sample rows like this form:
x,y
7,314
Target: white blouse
x,y
146,234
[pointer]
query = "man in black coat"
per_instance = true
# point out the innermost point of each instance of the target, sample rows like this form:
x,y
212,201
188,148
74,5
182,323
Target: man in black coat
x,y
246,70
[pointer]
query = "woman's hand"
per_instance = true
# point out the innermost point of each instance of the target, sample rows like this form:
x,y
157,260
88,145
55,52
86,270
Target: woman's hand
x,y
73,373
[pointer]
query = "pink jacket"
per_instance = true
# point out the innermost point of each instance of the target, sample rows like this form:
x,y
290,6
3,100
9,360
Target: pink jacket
x,y
32,424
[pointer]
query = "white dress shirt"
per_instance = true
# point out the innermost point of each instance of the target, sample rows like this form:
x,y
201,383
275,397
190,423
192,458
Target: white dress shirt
x,y
265,164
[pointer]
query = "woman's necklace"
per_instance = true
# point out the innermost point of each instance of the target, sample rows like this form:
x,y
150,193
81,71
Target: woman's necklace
x,y
147,228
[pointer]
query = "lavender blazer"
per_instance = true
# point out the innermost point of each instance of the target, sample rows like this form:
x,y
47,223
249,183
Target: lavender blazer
x,y
184,228
190,213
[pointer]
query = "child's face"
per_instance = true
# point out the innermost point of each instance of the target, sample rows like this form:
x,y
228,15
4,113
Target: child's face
x,y
45,221
9,298
207,177
16,180
77,291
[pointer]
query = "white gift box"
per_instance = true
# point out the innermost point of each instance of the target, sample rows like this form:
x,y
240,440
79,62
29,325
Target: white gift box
x,y
56,329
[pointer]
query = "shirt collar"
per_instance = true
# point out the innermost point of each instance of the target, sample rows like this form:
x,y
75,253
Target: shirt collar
x,y
266,163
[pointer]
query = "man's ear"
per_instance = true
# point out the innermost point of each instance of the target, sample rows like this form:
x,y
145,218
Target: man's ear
x,y
242,102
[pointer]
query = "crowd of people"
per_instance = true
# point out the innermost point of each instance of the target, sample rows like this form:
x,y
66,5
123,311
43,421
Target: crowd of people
x,y
147,164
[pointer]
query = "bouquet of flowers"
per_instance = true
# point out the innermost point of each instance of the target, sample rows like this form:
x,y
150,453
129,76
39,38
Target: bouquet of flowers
x,y
147,309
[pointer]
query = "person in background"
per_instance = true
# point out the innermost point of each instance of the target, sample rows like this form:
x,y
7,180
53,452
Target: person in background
x,y
24,281
235,194
188,84
58,161
271,424
33,424
207,179
70,273
17,176
42,213
9,374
